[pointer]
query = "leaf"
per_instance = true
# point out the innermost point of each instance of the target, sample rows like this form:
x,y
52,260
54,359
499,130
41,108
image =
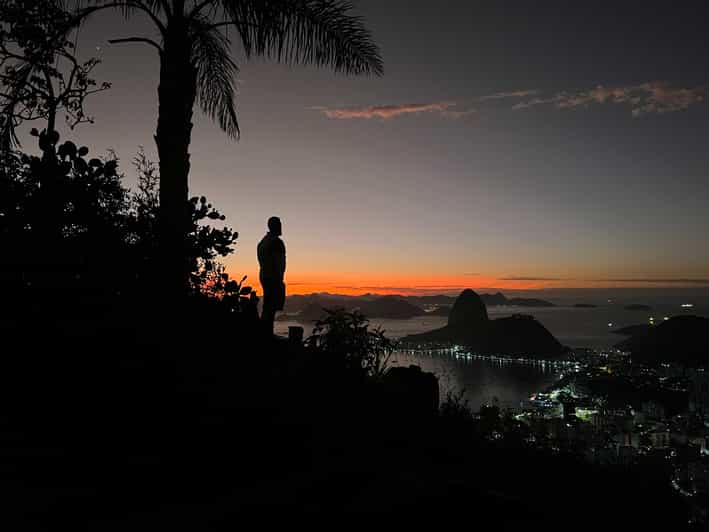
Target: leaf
x,y
80,166
245,291
68,149
83,151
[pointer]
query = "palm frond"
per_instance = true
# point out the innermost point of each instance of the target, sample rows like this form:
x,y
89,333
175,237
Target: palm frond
x,y
10,98
154,9
216,71
318,32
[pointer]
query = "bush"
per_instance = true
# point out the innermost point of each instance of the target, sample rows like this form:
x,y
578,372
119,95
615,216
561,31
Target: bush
x,y
68,226
347,334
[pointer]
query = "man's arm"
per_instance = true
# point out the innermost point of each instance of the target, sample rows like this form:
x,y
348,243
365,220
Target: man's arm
x,y
283,258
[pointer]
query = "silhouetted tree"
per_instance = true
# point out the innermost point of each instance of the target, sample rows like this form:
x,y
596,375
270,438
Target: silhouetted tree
x,y
40,73
87,211
196,66
205,244
41,76
105,236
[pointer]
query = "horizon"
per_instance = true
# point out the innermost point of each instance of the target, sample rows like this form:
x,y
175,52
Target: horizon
x,y
700,293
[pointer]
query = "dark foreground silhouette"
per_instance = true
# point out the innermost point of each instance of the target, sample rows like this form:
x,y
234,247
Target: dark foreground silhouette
x,y
271,254
125,422
123,410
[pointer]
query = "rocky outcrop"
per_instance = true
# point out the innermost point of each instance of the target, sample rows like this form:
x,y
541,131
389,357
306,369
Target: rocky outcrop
x,y
468,325
682,339
468,311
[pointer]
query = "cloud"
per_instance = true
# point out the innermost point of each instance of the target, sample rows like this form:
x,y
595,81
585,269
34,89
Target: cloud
x,y
504,95
654,280
653,97
418,289
530,279
386,112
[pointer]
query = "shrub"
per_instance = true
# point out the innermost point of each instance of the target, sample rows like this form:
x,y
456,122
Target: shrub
x,y
347,334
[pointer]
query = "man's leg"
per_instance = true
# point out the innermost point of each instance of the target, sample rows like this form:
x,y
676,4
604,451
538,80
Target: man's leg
x,y
268,314
268,318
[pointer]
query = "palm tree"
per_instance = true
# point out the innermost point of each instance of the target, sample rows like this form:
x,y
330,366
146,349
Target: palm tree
x,y
196,66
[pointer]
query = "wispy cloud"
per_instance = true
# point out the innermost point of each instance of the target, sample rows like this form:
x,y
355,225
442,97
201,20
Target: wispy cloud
x,y
403,289
652,97
530,279
505,95
386,112
654,280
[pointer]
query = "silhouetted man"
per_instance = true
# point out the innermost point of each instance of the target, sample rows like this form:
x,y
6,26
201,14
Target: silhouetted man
x,y
272,260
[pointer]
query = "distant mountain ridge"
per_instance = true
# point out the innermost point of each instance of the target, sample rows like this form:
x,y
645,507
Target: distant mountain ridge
x,y
310,307
381,307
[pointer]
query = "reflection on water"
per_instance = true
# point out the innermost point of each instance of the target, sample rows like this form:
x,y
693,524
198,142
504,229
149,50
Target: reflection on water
x,y
481,380
510,382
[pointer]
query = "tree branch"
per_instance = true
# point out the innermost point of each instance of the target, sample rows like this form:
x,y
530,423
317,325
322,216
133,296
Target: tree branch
x,y
144,40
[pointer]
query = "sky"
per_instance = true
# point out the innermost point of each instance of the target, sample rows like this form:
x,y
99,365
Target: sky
x,y
508,144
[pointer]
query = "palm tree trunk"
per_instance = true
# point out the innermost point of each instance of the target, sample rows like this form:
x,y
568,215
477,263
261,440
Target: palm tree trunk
x,y
176,97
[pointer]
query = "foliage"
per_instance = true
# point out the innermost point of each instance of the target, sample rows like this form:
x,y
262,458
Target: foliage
x,y
77,206
86,199
347,334
205,244
455,406
40,73
318,32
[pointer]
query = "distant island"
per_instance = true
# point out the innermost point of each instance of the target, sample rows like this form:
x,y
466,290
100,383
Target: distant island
x,y
499,299
637,307
585,305
384,307
469,325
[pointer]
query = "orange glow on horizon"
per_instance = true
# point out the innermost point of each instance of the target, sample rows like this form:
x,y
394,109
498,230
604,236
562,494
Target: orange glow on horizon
x,y
302,283
387,284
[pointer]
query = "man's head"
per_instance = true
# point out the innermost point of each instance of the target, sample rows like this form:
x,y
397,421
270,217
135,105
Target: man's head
x,y
274,225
